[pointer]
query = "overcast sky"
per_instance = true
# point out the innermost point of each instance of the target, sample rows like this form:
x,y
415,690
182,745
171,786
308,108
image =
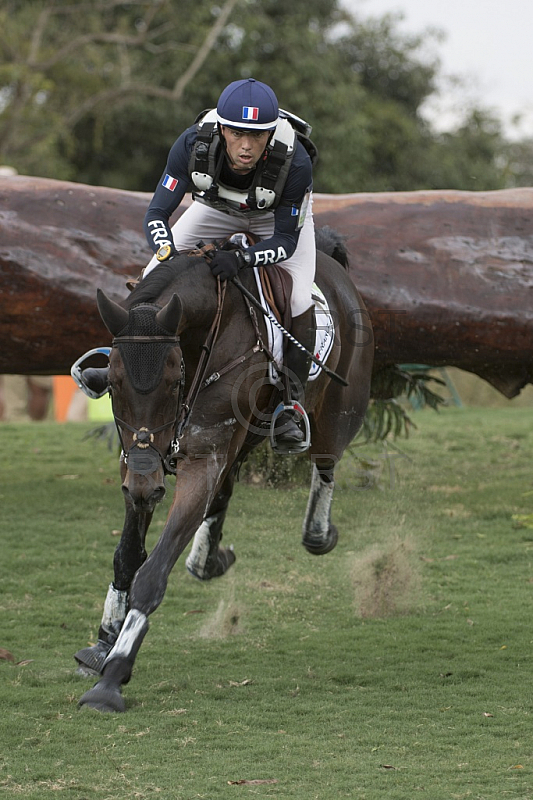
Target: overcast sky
x,y
488,42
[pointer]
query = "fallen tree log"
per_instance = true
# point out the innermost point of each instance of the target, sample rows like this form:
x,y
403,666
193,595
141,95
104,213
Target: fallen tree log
x,y
59,241
447,276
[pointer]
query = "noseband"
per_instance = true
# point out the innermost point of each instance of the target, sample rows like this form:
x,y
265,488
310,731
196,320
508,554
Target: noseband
x,y
144,457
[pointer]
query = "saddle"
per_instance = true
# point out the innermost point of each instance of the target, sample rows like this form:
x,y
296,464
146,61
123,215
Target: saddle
x,y
277,287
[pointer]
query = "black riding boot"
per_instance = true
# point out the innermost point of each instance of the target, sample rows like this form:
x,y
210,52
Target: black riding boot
x,y
288,433
96,379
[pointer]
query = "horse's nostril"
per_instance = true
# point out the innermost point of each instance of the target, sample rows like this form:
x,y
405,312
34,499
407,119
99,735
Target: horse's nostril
x,y
143,498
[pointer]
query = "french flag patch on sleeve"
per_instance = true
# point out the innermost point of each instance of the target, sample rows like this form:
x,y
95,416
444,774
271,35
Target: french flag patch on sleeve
x,y
169,182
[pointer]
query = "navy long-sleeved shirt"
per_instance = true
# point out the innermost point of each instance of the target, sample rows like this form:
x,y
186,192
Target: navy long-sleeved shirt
x,y
176,180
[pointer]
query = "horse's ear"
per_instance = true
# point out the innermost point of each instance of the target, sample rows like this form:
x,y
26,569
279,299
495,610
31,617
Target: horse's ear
x,y
114,316
170,315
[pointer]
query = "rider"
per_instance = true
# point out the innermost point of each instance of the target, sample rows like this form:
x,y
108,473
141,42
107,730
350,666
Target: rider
x,y
249,172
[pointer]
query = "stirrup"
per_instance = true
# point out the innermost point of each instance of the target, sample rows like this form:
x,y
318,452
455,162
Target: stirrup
x,y
285,449
98,356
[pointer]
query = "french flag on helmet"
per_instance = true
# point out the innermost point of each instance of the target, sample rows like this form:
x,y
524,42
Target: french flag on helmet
x,y
248,104
250,112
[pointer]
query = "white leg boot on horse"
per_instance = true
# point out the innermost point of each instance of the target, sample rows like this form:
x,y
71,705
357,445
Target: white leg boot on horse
x,y
319,535
288,432
91,659
207,559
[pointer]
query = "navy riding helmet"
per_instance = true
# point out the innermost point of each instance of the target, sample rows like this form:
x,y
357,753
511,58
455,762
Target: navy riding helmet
x,y
248,104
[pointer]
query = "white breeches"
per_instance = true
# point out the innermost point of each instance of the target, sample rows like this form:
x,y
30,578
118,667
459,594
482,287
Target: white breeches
x,y
200,222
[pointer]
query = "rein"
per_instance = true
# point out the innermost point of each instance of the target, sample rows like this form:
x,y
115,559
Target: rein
x,y
207,348
144,456
199,381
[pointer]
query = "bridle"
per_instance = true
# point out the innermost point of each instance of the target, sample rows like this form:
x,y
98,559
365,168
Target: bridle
x,y
144,457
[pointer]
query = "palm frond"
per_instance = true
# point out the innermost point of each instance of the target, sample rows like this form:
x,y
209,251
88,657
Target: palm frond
x,y
386,415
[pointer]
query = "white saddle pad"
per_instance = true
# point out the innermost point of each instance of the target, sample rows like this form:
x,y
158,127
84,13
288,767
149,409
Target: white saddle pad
x,y
325,332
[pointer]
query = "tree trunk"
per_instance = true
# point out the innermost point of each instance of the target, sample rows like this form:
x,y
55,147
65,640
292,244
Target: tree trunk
x,y
447,276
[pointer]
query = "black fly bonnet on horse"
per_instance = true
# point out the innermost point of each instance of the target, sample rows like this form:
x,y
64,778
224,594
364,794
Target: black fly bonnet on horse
x,y
143,345
143,355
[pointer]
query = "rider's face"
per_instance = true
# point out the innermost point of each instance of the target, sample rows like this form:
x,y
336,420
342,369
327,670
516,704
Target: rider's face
x,y
244,148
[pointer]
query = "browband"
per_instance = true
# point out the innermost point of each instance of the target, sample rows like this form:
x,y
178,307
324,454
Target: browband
x,y
145,339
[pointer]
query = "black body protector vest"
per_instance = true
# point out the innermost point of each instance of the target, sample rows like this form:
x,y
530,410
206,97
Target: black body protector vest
x,y
265,192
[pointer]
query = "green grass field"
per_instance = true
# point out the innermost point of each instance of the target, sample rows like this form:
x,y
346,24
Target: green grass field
x,y
396,667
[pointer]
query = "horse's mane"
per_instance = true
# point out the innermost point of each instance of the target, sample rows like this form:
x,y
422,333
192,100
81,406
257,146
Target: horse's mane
x,y
151,287
333,244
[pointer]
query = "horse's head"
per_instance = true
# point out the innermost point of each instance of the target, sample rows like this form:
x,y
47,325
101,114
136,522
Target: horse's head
x,y
145,383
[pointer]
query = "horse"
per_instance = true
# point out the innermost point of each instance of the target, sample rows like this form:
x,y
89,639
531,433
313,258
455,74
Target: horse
x,y
189,380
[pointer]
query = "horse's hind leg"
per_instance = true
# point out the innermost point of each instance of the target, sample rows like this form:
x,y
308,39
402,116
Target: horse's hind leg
x,y
207,559
319,535
333,429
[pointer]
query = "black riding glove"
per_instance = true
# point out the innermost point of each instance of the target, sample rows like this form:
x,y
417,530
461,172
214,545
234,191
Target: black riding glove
x,y
225,264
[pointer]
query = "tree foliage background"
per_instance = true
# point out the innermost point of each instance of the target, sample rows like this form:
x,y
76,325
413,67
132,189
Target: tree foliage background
x,y
97,91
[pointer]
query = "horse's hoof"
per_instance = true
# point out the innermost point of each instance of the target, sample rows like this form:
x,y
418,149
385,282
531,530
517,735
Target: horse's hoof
x,y
91,660
103,698
224,559
86,672
318,546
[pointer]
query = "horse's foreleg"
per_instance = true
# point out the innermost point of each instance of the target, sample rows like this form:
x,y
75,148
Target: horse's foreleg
x,y
207,559
130,554
150,582
106,695
319,535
